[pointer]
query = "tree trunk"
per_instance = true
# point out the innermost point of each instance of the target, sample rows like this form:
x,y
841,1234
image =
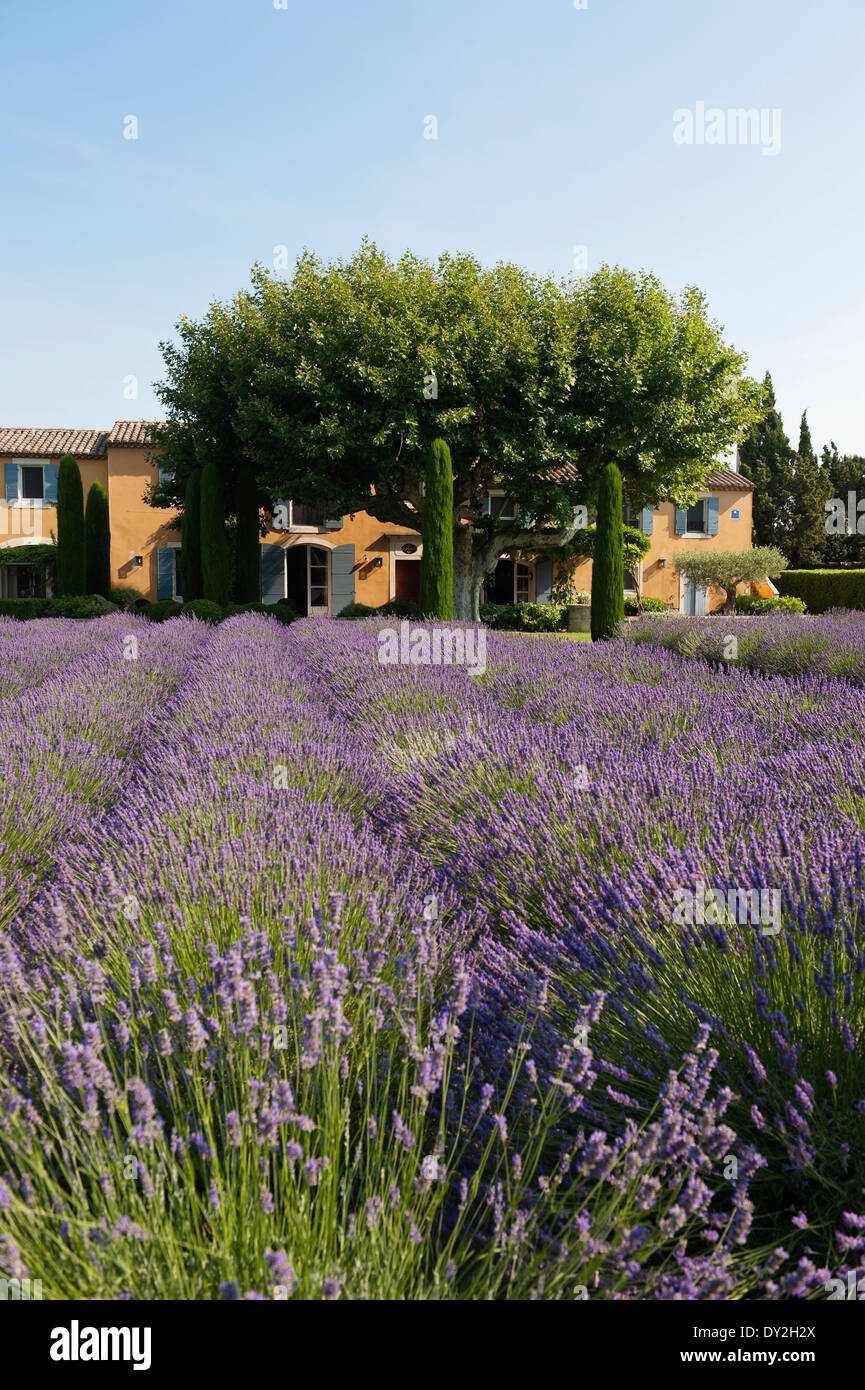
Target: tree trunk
x,y
467,576
730,603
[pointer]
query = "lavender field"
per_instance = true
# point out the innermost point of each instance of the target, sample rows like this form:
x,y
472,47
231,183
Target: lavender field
x,y
327,979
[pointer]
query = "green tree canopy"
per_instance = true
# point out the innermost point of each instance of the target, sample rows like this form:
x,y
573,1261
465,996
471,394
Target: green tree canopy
x,y
333,385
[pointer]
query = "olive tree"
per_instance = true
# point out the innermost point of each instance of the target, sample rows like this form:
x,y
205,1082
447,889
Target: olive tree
x,y
726,569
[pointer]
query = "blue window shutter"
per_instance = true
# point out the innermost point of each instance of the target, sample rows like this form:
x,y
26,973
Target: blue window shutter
x,y
712,517
647,520
681,521
342,589
51,482
11,482
485,506
164,572
544,581
272,573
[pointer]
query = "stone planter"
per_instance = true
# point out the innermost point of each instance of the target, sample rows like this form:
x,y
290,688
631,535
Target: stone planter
x,y
579,617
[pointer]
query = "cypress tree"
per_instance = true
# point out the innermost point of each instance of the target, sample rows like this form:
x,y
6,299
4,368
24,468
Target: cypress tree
x,y
811,488
71,571
437,561
97,533
766,459
214,544
191,538
608,570
247,561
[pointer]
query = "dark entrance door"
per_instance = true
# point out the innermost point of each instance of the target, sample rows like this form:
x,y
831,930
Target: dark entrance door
x,y
406,580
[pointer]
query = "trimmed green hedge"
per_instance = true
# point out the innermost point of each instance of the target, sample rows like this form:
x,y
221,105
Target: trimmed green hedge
x,y
68,606
525,617
824,589
751,604
24,608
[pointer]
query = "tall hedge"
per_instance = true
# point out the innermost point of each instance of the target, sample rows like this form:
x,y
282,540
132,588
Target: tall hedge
x,y
97,534
437,561
190,549
247,558
608,568
823,589
214,544
71,561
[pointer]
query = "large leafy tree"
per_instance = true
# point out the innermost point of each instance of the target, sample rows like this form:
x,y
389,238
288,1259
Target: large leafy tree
x,y
208,371
334,384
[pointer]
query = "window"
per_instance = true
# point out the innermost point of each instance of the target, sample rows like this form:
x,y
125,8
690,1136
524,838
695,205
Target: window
x,y
318,568
695,519
510,582
177,575
32,482
628,516
501,507
302,515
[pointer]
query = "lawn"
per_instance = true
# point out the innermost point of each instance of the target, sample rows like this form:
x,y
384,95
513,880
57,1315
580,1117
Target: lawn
x,y
323,978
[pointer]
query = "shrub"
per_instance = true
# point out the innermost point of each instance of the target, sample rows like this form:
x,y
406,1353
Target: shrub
x,y
527,617
824,589
650,605
398,608
490,611
608,569
437,561
127,597
203,608
281,613
358,610
24,608
80,606
97,537
71,568
214,543
165,608
751,603
191,538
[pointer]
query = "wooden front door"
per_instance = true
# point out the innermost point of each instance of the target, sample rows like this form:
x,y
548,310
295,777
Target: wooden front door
x,y
406,580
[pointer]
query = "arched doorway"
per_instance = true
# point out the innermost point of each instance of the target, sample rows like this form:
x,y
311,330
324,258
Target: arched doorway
x,y
307,579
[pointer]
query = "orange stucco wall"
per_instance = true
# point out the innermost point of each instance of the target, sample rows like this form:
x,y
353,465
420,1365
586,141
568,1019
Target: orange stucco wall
x,y
136,528
18,525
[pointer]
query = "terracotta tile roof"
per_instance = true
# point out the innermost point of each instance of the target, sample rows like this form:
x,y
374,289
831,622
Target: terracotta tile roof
x,y
726,478
130,433
720,477
50,443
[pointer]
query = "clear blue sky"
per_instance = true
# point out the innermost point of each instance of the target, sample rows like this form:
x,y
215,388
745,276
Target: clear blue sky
x,y
304,126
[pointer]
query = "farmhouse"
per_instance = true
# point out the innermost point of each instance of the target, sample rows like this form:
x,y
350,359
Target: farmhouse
x,y
319,563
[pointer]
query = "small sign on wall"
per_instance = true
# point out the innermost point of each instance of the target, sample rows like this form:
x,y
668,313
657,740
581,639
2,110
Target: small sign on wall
x,y
734,513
